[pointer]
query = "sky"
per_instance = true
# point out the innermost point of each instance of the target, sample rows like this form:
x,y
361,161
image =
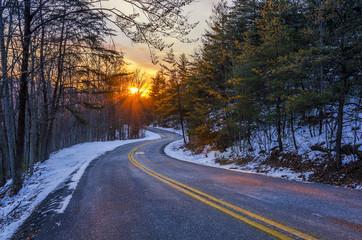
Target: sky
x,y
138,54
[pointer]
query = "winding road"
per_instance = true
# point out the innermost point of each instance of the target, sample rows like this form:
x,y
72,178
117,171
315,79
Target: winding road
x,y
137,192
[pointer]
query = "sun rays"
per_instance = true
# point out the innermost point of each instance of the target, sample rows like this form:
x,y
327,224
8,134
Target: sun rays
x,y
138,91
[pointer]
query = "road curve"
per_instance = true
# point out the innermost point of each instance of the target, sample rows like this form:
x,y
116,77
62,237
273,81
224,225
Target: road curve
x,y
137,192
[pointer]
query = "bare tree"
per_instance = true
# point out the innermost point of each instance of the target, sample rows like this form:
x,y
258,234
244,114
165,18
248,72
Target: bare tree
x,y
49,50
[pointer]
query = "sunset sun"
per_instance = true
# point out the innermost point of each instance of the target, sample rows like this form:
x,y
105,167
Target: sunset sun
x,y
141,92
133,90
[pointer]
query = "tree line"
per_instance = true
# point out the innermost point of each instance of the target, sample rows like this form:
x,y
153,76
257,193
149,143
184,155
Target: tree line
x,y
264,70
63,83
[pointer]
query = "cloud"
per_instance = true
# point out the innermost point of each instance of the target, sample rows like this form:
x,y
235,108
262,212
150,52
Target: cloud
x,y
141,63
120,46
142,49
137,55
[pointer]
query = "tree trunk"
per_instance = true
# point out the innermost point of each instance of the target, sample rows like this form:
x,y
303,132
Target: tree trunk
x,y
45,110
17,181
293,133
320,122
33,124
343,93
2,176
279,127
339,133
56,93
3,145
8,111
181,113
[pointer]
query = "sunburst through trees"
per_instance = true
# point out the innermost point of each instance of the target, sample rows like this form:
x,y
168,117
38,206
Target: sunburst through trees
x,y
131,100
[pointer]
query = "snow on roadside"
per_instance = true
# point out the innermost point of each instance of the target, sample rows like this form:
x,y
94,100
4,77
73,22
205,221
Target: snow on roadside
x,y
48,175
175,150
178,131
261,148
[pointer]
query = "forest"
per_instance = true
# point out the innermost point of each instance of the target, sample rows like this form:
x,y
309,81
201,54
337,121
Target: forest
x,y
63,81
279,79
255,133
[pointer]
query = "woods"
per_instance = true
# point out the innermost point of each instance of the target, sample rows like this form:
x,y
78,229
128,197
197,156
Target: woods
x,y
268,76
251,120
63,82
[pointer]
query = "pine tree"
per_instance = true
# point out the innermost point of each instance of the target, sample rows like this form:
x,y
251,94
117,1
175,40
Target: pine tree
x,y
342,50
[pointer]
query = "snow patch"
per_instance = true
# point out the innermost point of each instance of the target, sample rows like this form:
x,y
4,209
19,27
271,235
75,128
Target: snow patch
x,y
64,204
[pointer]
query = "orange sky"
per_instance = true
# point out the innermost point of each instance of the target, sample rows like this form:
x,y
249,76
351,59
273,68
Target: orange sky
x,y
138,54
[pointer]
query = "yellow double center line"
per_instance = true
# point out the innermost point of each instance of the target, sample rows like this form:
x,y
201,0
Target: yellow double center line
x,y
273,228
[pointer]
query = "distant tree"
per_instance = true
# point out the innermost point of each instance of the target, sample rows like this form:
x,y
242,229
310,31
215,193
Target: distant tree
x,y
157,94
172,99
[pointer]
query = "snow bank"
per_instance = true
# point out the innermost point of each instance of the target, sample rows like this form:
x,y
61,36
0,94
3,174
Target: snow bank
x,y
262,145
48,175
176,151
178,131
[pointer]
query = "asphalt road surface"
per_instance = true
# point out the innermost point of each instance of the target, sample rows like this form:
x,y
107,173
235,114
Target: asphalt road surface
x,y
137,192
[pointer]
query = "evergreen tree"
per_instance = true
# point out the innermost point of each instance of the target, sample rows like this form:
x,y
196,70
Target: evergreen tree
x,y
268,68
342,55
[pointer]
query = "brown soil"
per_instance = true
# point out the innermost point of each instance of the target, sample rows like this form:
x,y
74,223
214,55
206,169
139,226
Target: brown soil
x,y
290,160
324,170
350,175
